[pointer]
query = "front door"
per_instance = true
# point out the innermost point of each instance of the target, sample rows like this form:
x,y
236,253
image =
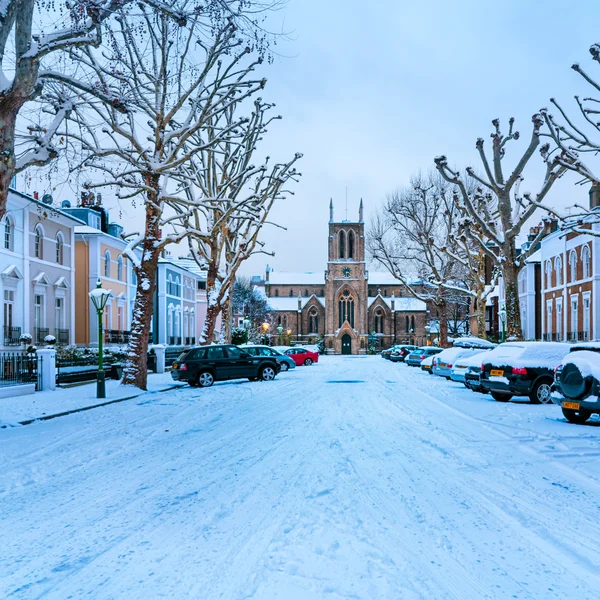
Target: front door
x,y
346,344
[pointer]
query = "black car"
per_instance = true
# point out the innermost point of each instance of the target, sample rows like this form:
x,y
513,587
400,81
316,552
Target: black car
x,y
577,383
473,380
400,354
204,365
522,369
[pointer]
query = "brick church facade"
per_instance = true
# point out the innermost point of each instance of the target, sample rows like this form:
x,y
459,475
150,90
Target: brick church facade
x,y
346,304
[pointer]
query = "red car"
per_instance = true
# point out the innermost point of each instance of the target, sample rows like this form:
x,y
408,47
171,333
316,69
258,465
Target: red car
x,y
302,356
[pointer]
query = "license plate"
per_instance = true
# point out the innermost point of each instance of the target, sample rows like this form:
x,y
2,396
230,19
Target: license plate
x,y
426,367
442,365
497,372
571,405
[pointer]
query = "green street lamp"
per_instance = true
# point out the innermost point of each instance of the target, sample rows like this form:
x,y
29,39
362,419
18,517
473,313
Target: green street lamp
x,y
265,328
99,298
502,315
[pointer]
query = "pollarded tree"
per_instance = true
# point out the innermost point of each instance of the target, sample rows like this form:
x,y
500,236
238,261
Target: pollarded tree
x,y
172,84
498,208
412,237
231,198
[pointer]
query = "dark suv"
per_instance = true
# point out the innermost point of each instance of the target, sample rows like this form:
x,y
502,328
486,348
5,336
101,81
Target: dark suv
x,y
207,364
577,383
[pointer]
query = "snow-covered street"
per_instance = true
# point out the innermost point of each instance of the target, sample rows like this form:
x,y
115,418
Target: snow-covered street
x,y
354,478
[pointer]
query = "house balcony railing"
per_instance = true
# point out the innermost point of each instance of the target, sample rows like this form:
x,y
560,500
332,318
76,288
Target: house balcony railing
x,y
39,333
174,340
552,337
12,336
62,336
190,341
116,336
578,336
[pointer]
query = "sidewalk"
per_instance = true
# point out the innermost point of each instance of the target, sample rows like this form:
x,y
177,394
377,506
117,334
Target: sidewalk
x,y
14,411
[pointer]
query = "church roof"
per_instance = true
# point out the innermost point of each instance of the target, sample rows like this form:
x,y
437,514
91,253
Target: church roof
x,y
291,304
307,278
403,304
386,278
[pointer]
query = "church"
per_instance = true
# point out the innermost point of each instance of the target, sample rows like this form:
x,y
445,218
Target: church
x,y
346,304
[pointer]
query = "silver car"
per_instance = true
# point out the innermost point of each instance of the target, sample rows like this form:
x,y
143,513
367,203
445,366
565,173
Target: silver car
x,y
444,363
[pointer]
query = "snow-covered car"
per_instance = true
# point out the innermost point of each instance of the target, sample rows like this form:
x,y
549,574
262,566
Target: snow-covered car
x,y
387,353
427,364
445,361
577,385
522,369
416,356
400,353
312,347
464,364
302,356
473,342
285,362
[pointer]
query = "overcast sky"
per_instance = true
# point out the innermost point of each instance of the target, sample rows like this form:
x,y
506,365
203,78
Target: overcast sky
x,y
371,95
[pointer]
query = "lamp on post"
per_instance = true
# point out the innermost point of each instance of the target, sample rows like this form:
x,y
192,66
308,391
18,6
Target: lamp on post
x,y
502,315
411,331
99,298
427,332
265,328
246,325
279,332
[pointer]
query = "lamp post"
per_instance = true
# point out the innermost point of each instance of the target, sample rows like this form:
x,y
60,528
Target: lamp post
x,y
246,325
427,332
99,298
279,332
265,328
502,315
411,331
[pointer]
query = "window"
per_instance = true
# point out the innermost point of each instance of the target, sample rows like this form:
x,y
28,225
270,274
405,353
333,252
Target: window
x,y
305,292
38,242
524,320
200,353
233,352
573,265
587,263
107,264
9,233
407,323
351,244
291,293
313,321
120,268
9,300
548,274
412,324
38,311
523,282
177,324
558,267
346,309
342,243
379,321
586,317
215,352
549,318
59,314
559,319
59,248
121,317
574,317
276,293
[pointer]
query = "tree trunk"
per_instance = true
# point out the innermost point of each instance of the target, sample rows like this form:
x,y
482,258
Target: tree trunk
x,y
8,118
226,317
136,365
481,332
213,308
510,273
443,310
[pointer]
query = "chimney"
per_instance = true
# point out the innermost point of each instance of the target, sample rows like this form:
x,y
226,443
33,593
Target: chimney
x,y
98,199
299,302
595,196
36,196
268,269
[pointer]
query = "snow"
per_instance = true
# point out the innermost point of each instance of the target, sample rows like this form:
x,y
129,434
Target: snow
x,y
387,484
586,361
451,355
470,341
307,278
472,361
403,303
291,304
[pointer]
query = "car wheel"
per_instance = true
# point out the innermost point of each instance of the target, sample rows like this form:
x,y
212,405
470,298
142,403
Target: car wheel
x,y
308,362
267,373
205,379
576,416
498,397
285,366
541,393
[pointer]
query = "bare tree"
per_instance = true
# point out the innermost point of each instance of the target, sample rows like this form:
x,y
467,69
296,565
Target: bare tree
x,y
500,210
412,237
172,84
224,228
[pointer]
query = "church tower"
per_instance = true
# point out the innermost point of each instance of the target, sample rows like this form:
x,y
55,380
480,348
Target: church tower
x,y
346,290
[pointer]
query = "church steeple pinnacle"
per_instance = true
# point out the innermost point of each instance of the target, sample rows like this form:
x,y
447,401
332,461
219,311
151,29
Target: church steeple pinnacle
x,y
331,210
360,211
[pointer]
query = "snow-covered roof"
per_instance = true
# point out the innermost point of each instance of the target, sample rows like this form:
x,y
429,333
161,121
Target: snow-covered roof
x,y
190,265
86,229
291,304
307,278
401,304
386,278
535,257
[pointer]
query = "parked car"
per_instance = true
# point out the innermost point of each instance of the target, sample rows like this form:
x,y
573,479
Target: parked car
x,y
577,383
522,369
285,362
470,363
445,361
400,353
473,377
387,353
416,356
312,347
302,356
427,364
202,366
473,342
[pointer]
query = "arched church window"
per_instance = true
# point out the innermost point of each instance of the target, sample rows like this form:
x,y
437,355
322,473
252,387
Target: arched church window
x,y
379,317
276,293
291,293
346,309
407,323
342,241
313,321
351,244
306,292
412,324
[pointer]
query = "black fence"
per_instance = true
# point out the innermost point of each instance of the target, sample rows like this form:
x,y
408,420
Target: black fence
x,y
80,370
18,368
12,336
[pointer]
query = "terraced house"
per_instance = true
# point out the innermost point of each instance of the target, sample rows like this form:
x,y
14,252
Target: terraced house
x,y
37,269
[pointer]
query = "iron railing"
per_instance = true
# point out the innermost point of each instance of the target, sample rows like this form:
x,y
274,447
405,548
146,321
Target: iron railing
x,y
578,336
39,333
12,336
18,368
190,341
174,340
116,336
62,336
